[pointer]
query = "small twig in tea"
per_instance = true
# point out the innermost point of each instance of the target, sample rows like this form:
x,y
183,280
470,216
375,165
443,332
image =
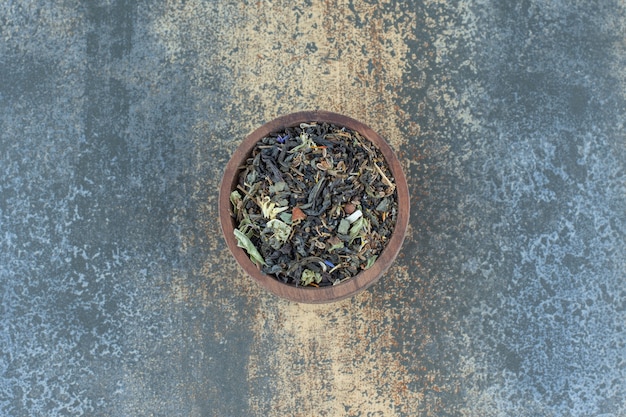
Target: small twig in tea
x,y
248,194
386,180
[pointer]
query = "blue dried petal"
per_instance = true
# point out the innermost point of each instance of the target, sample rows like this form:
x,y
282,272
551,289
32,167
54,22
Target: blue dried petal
x,y
329,263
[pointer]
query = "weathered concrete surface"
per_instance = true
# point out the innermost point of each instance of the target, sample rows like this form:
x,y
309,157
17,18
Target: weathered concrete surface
x,y
120,298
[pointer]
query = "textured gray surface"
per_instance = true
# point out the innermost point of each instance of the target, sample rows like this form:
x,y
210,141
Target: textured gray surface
x,y
120,298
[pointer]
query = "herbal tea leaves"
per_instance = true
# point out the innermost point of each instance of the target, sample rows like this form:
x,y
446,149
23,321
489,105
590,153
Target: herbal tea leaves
x,y
314,204
244,242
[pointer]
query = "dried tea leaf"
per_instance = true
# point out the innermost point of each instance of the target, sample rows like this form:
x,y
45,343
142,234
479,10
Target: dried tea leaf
x,y
383,205
286,217
280,231
246,227
324,165
306,143
344,226
278,187
236,201
335,243
244,242
251,177
309,277
357,226
370,261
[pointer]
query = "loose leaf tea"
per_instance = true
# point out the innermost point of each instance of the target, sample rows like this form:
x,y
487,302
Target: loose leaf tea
x,y
314,204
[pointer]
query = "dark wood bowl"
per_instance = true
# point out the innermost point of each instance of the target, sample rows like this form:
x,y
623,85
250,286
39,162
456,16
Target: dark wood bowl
x,y
350,286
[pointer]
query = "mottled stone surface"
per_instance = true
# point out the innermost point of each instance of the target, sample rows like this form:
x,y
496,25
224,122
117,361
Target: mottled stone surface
x,y
120,298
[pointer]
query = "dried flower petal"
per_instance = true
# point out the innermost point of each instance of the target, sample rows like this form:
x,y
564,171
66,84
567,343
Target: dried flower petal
x,y
297,214
268,208
354,216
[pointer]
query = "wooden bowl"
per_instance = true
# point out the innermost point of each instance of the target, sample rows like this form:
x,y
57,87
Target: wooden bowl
x,y
350,286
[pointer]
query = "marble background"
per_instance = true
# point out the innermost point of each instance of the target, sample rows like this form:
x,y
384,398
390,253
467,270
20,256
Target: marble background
x,y
119,297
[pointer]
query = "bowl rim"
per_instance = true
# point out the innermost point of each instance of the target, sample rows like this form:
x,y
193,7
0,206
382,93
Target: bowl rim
x,y
349,287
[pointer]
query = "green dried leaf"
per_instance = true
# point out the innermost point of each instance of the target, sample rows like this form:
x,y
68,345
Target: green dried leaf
x,y
278,187
335,243
373,193
280,232
370,261
306,143
236,201
383,205
244,242
309,277
251,177
246,226
344,226
286,217
357,226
